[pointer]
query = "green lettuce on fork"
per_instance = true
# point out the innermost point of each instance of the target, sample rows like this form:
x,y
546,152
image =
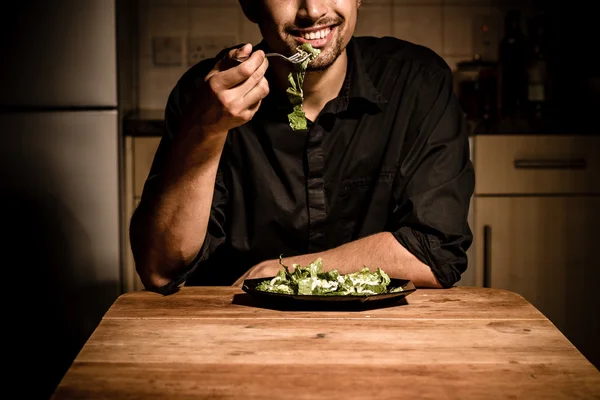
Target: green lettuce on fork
x,y
311,280
294,92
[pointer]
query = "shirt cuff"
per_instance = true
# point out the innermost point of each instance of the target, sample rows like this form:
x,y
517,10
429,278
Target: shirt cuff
x,y
427,249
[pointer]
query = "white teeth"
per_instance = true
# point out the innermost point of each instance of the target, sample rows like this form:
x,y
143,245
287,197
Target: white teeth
x,y
317,35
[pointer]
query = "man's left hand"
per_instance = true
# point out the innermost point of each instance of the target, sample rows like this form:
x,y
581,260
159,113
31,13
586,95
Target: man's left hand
x,y
262,270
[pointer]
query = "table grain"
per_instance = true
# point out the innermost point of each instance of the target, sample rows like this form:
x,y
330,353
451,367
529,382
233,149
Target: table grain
x,y
217,342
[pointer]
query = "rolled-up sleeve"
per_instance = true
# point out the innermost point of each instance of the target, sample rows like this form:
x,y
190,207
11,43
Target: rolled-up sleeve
x,y
435,182
215,235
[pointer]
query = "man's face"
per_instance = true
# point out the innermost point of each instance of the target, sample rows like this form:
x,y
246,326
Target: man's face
x,y
327,25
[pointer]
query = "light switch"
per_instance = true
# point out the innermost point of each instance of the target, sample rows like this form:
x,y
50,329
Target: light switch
x,y
167,51
203,47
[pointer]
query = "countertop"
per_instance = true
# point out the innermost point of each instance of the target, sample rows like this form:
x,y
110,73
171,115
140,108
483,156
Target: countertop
x,y
219,342
144,123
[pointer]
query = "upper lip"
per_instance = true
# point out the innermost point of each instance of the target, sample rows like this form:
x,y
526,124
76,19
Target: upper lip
x,y
313,29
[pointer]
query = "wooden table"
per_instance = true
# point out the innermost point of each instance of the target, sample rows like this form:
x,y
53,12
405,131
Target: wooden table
x,y
214,342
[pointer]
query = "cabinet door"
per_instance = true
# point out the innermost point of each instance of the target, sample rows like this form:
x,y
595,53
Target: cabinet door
x,y
547,250
144,149
139,154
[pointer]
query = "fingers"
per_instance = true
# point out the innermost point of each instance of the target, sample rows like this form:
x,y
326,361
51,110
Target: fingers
x,y
256,79
243,100
254,108
232,96
240,280
249,94
257,93
239,73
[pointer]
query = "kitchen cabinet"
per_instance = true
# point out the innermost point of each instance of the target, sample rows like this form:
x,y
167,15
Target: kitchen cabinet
x,y
537,213
139,153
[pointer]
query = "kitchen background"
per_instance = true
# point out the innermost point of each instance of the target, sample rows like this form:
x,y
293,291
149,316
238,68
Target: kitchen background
x,y
174,34
535,144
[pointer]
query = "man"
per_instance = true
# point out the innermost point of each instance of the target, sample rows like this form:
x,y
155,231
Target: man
x,y
381,177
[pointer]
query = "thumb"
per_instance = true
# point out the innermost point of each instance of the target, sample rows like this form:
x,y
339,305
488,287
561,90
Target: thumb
x,y
226,62
243,51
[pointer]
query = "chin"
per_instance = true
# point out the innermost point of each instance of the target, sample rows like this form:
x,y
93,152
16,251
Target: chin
x,y
326,60
320,66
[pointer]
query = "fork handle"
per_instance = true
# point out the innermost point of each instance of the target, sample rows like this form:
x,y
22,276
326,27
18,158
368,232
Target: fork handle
x,y
242,59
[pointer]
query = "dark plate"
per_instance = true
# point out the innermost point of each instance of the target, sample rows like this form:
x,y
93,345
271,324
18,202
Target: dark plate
x,y
250,288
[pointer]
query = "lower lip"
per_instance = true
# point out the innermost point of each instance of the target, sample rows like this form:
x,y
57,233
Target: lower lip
x,y
317,43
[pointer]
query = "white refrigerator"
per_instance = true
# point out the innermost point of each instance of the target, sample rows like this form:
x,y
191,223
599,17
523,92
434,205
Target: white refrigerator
x,y
59,181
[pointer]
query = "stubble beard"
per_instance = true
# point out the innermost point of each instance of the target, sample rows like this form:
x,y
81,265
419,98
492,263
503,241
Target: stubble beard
x,y
327,56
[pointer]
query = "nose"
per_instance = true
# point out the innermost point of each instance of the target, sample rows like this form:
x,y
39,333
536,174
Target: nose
x,y
313,9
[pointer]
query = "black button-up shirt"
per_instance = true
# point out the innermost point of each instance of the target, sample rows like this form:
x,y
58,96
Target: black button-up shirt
x,y
390,153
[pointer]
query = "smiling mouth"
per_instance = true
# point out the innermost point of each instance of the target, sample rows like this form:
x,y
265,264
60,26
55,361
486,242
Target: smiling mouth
x,y
314,35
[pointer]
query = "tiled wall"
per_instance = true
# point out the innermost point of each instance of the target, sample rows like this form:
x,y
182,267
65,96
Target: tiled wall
x,y
175,33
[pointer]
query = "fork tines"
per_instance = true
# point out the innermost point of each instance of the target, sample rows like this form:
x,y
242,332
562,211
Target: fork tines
x,y
299,56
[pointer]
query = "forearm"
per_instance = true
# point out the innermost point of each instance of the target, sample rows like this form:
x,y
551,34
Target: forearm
x,y
169,226
380,250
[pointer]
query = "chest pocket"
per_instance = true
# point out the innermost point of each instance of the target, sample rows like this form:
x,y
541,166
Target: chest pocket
x,y
365,204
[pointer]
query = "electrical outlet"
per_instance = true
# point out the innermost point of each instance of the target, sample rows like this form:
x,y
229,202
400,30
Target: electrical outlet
x,y
486,37
167,51
203,47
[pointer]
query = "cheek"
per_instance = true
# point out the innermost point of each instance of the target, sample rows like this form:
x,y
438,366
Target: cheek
x,y
349,25
284,12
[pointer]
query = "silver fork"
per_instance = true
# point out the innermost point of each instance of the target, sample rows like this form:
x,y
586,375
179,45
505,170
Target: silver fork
x,y
297,58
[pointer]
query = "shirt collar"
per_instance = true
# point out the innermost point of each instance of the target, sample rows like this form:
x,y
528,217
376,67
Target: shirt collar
x,y
358,83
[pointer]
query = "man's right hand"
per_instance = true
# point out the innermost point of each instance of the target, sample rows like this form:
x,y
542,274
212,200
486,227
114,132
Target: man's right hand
x,y
229,96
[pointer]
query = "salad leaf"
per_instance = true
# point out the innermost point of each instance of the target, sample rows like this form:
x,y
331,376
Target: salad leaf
x,y
312,280
294,92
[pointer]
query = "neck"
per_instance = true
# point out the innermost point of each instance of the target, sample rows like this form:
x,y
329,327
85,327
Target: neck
x,y
319,86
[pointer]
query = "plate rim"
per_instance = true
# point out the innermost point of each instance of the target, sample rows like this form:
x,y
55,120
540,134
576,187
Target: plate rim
x,y
329,299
